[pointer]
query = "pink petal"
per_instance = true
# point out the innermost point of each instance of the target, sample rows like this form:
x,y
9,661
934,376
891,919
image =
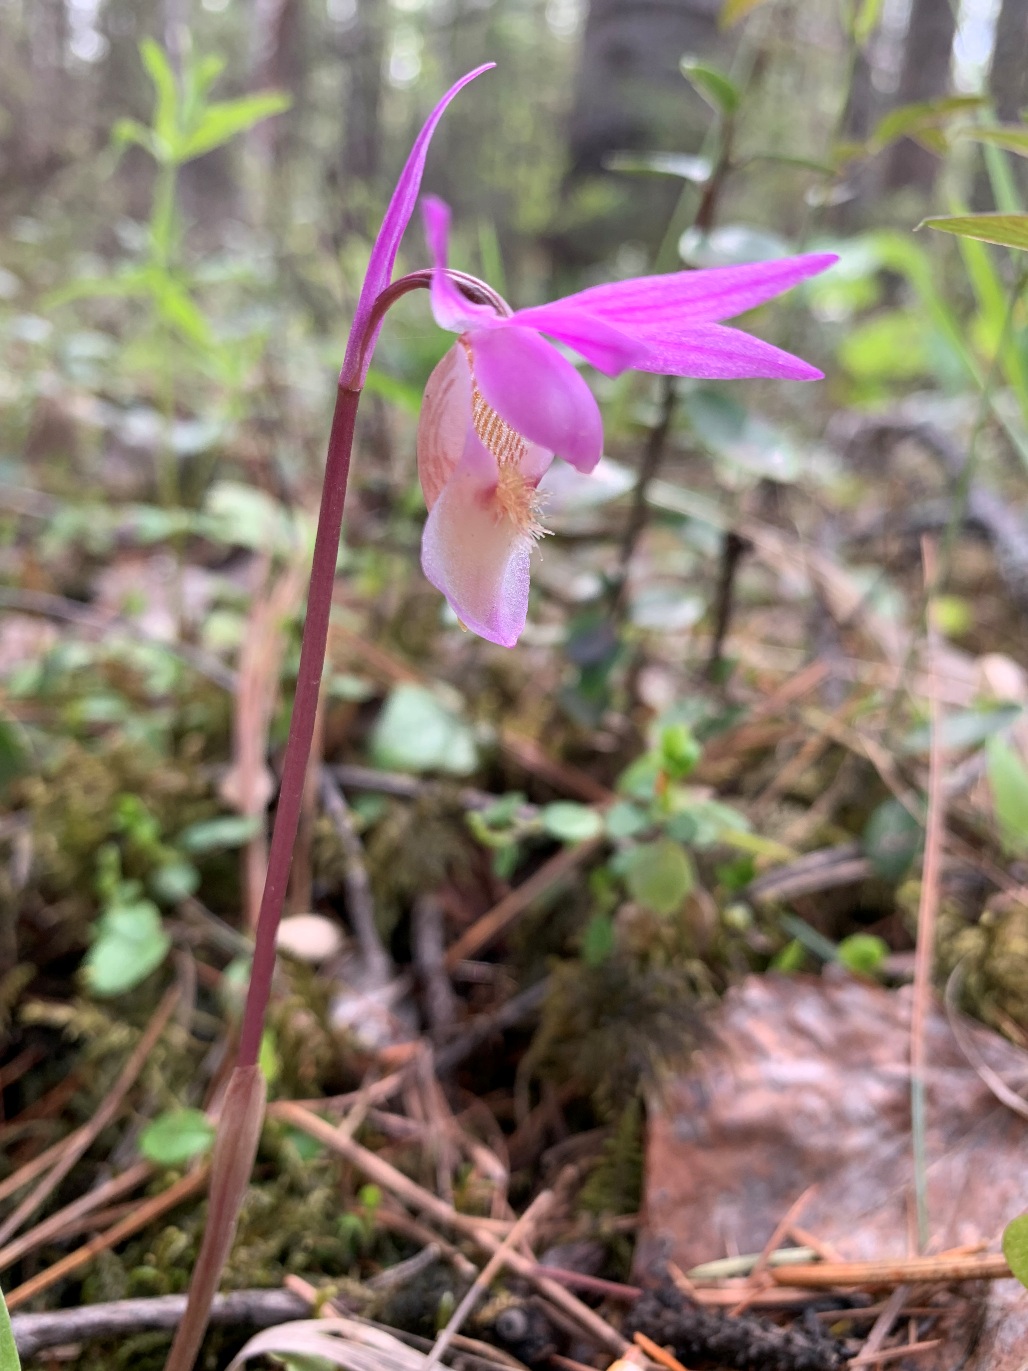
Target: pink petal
x,y
538,392
609,349
443,422
450,307
475,555
383,254
715,352
683,298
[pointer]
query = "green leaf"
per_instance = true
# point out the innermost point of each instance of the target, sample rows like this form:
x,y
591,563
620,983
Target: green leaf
x,y
223,120
417,732
1008,781
916,119
598,939
1015,1247
863,953
626,820
14,756
1006,230
570,822
659,875
679,751
174,882
719,90
166,103
177,309
892,839
177,1137
1012,137
9,1359
215,835
129,131
130,943
688,168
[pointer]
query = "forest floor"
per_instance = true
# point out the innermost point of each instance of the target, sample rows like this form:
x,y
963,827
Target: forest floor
x,y
649,932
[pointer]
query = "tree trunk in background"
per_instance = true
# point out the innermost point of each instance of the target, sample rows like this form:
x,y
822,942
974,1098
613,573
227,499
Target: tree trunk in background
x,y
629,64
1008,71
927,54
630,94
362,143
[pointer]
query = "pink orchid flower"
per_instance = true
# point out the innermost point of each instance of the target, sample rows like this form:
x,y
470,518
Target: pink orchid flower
x,y
503,402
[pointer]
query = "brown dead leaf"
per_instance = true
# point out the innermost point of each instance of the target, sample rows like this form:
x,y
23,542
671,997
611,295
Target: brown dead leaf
x,y
806,1082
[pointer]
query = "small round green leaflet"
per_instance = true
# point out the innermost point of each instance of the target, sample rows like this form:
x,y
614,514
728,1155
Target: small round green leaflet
x,y
570,822
176,1137
130,943
892,839
659,875
862,953
417,732
9,1360
1015,1247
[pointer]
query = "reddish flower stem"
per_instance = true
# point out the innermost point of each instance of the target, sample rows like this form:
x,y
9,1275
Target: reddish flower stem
x,y
301,725
312,657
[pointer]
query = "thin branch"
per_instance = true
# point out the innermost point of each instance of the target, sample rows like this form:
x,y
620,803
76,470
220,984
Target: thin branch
x,y
117,1319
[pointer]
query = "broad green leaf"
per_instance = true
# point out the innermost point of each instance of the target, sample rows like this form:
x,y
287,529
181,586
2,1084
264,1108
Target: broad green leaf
x,y
570,822
177,1137
892,839
9,1359
165,113
1008,781
719,90
680,164
1015,1247
917,119
223,120
417,732
1012,137
732,11
658,875
215,835
130,943
1006,230
863,953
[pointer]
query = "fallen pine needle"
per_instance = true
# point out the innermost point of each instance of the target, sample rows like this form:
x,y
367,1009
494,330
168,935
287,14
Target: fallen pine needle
x,y
941,1269
127,1228
657,1353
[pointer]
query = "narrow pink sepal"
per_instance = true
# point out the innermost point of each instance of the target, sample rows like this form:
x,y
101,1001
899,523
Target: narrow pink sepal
x,y
450,308
715,352
538,392
476,556
609,349
383,254
684,298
